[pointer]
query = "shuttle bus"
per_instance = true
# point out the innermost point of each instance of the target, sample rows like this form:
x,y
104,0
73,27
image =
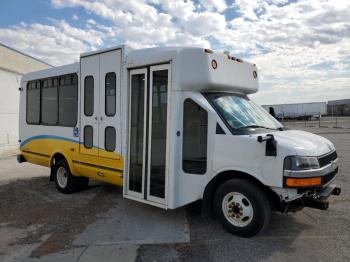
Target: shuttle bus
x,y
172,125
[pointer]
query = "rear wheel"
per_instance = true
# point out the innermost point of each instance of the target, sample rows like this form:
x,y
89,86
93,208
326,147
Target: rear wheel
x,y
65,182
242,207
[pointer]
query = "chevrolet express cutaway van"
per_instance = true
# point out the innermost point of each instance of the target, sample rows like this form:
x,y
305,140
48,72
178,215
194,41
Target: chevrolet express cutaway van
x,y
173,125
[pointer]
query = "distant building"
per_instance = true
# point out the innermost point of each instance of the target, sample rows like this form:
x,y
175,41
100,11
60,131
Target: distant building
x,y
339,107
13,65
298,110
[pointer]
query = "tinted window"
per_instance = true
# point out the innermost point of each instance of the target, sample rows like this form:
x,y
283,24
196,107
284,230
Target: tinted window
x,y
137,123
110,94
88,137
110,138
68,100
33,103
49,104
158,135
195,129
89,96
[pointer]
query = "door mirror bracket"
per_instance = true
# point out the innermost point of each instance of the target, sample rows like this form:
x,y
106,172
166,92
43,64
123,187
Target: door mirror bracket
x,y
271,144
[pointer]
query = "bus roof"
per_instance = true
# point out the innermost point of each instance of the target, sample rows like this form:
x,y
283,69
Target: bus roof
x,y
198,69
194,69
54,71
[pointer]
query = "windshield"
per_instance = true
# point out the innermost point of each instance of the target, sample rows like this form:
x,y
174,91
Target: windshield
x,y
240,112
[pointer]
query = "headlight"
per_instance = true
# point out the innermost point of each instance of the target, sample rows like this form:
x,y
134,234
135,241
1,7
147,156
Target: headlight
x,y
300,163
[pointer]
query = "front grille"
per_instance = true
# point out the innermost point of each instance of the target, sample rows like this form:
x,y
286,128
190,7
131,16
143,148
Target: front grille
x,y
329,177
325,160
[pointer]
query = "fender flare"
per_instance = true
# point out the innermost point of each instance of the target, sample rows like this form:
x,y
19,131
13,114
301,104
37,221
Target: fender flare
x,y
68,159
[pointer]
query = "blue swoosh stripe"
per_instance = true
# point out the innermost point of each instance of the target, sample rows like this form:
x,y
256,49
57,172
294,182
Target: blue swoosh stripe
x,y
48,137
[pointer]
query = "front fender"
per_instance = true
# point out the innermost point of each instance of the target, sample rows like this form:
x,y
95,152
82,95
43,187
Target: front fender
x,y
220,177
242,170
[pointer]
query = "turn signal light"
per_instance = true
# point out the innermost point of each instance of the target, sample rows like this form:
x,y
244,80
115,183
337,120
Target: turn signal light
x,y
303,182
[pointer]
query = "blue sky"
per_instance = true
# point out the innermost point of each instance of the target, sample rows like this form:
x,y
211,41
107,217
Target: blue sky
x,y
301,48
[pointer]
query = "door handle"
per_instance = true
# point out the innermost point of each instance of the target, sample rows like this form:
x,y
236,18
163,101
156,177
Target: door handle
x,y
96,118
101,118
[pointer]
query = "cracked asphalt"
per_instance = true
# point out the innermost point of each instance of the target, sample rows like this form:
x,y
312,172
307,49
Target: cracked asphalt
x,y
37,223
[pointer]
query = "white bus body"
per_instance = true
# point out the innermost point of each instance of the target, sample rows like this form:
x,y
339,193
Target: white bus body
x,y
172,126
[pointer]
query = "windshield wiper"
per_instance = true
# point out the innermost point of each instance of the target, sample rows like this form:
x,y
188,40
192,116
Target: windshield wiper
x,y
255,126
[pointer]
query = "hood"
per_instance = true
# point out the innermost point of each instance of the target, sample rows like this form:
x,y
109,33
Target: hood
x,y
303,143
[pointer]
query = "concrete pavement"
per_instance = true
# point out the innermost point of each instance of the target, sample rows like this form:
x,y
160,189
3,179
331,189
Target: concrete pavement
x,y
39,224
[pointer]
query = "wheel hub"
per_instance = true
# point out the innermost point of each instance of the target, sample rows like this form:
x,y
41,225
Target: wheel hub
x,y
237,209
62,177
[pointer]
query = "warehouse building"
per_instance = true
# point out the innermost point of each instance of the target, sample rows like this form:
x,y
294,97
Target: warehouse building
x,y
297,110
339,107
13,65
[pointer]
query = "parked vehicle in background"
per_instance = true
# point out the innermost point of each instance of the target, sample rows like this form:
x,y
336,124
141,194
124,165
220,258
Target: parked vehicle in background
x,y
299,111
172,126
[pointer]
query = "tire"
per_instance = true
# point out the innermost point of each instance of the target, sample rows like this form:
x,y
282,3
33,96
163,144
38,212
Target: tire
x,y
83,182
242,207
65,182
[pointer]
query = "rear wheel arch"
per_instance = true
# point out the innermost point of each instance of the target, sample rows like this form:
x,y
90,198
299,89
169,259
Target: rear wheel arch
x,y
222,177
56,157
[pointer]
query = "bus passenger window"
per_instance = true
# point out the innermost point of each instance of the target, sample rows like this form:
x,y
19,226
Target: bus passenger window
x,y
33,103
110,94
110,138
68,101
88,137
89,96
49,104
195,131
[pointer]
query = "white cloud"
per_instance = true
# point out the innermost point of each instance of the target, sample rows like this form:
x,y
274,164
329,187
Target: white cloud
x,y
57,44
204,24
91,21
302,48
177,8
214,5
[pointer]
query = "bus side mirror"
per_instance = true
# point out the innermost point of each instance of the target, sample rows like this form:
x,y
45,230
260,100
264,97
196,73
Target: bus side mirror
x,y
271,144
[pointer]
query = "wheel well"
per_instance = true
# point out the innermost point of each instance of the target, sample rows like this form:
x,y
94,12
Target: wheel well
x,y
56,158
219,179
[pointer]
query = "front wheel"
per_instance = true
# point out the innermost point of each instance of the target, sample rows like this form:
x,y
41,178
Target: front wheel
x,y
242,207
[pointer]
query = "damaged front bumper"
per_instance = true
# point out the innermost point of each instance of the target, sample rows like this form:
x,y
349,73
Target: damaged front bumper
x,y
313,198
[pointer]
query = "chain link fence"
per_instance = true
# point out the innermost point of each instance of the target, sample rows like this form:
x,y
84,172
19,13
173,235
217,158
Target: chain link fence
x,y
317,121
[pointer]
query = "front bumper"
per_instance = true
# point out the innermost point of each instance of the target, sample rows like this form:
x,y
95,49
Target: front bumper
x,y
319,199
313,198
309,188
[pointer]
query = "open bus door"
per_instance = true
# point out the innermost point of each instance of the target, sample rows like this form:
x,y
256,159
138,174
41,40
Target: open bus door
x,y
147,165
